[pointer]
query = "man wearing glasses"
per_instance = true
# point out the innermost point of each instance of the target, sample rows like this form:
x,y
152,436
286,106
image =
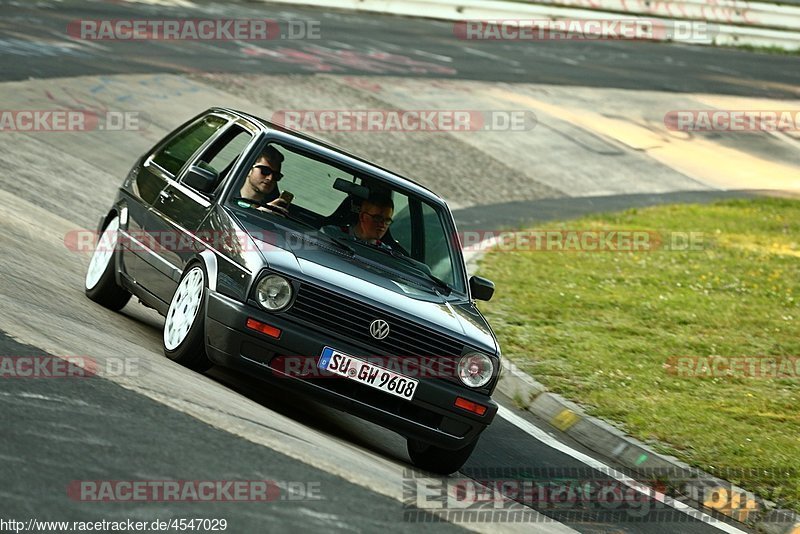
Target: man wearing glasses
x,y
374,219
261,183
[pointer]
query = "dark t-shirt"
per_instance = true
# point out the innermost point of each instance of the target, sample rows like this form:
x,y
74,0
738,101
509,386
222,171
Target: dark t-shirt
x,y
269,197
272,195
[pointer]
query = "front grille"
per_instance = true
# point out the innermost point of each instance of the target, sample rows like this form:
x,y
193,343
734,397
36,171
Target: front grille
x,y
345,316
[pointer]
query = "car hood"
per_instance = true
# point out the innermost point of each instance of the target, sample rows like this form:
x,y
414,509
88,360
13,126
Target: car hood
x,y
322,263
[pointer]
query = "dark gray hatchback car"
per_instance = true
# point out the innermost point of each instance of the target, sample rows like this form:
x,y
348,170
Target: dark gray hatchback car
x,y
292,291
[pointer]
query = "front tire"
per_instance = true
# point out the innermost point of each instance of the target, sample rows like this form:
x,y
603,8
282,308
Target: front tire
x,y
100,284
184,326
436,459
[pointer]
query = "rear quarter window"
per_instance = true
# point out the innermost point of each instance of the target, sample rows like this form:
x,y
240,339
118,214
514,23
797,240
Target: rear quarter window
x,y
178,150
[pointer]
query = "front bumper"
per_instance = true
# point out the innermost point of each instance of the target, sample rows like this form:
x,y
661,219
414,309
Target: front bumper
x,y
431,416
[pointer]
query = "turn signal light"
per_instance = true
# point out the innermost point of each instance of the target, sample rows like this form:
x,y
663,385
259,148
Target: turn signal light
x,y
470,406
264,328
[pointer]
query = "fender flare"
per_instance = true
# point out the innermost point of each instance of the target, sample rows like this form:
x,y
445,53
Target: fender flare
x,y
209,259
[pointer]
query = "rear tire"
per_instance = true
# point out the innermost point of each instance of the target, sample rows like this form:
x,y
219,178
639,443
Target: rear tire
x,y
184,326
100,284
436,459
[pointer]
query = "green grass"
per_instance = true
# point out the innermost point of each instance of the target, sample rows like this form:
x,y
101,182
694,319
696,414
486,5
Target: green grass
x,y
775,50
600,328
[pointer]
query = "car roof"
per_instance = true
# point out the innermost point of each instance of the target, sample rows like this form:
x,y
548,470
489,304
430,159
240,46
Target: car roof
x,y
347,157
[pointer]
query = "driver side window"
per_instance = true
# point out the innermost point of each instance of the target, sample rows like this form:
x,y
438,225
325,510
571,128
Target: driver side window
x,y
401,225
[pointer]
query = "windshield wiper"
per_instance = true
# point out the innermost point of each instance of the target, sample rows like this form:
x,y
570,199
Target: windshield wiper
x,y
400,256
341,244
439,282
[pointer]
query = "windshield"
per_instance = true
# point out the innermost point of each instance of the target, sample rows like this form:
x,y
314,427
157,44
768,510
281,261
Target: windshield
x,y
388,228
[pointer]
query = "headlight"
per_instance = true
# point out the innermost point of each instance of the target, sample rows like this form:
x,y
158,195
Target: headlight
x,y
274,292
475,369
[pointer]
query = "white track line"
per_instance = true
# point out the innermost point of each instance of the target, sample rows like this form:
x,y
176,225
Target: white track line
x,y
541,435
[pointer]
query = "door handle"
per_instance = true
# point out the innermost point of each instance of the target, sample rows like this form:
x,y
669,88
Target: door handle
x,y
165,196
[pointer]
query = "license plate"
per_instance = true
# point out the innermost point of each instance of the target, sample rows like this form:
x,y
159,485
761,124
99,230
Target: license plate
x,y
368,373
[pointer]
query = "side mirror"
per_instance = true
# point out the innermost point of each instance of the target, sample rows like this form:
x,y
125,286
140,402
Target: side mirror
x,y
481,288
202,178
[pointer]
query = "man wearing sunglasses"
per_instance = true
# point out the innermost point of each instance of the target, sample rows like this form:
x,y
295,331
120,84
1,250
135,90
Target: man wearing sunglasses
x,y
261,183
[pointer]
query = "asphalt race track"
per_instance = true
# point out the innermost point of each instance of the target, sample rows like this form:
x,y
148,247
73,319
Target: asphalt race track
x,y
599,144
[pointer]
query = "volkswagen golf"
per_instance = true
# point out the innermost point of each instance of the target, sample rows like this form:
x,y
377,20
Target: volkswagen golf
x,y
282,256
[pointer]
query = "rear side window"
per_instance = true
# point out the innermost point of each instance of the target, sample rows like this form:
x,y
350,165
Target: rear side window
x,y
182,147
